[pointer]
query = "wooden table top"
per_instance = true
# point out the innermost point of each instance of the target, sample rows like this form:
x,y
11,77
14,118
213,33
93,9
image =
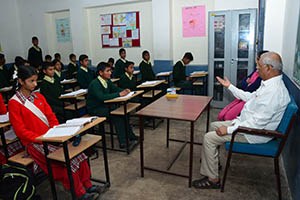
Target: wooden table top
x,y
114,80
65,138
197,75
124,99
185,107
73,96
153,85
164,74
69,81
5,124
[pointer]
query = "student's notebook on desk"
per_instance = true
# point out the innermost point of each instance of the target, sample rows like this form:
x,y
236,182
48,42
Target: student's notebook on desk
x,y
71,127
77,92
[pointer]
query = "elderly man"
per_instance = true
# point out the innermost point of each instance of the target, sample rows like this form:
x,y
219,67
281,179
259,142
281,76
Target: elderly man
x,y
264,109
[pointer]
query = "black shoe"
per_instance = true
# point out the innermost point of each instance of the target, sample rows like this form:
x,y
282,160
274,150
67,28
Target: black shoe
x,y
89,196
96,189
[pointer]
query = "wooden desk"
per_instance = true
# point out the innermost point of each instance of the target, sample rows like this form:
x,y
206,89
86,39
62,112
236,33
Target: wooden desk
x,y
68,151
165,75
72,82
114,80
127,108
75,104
199,80
185,108
5,142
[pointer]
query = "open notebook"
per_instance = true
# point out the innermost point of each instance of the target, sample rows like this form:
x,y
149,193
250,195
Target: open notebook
x,y
69,128
77,92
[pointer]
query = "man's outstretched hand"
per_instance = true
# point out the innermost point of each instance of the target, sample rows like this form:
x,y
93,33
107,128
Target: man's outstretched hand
x,y
226,83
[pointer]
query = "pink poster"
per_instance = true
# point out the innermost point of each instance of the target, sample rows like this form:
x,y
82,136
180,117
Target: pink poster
x,y
193,21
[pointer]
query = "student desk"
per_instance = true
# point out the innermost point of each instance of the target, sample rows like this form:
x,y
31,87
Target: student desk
x,y
165,75
74,106
185,108
115,81
68,151
200,79
5,142
127,108
135,74
71,82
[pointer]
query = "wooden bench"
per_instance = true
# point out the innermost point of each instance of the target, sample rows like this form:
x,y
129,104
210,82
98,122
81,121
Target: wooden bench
x,y
129,107
80,104
198,83
149,94
9,141
87,141
21,158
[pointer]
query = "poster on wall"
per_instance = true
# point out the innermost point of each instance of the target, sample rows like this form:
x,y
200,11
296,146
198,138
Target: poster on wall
x,y
63,30
120,30
193,21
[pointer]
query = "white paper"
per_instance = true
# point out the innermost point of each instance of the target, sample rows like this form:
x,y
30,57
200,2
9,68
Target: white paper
x,y
136,72
135,34
163,73
10,134
105,30
6,89
150,82
127,96
114,41
105,19
106,40
198,72
4,118
67,80
75,93
80,121
62,131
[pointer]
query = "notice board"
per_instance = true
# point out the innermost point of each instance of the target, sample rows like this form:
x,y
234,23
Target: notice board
x,y
120,30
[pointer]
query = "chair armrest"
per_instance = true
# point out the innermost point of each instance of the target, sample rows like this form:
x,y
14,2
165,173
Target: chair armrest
x,y
261,132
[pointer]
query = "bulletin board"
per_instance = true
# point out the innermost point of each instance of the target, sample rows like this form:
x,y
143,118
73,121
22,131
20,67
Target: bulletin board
x,y
120,30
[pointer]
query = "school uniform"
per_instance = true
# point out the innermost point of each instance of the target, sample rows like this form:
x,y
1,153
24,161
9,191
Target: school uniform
x,y
72,68
119,68
59,75
146,71
179,76
28,127
12,70
4,76
35,56
127,82
84,77
99,91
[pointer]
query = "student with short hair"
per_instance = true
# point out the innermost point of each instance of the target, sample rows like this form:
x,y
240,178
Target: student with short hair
x,y
48,58
51,90
59,75
72,67
179,76
35,56
146,67
120,64
111,62
4,73
31,123
84,75
57,56
127,81
102,89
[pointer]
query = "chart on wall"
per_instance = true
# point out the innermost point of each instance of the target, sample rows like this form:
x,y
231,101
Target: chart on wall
x,y
193,21
63,30
120,30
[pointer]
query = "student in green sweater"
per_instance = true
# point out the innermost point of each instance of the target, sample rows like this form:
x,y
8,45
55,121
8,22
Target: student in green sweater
x,y
59,75
127,81
146,68
48,58
120,64
51,90
179,77
4,73
72,67
84,75
102,89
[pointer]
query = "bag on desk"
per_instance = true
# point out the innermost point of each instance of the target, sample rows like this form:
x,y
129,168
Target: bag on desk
x,y
16,183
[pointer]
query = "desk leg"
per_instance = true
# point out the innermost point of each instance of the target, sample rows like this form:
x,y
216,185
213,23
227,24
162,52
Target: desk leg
x,y
4,145
105,155
50,174
168,132
191,154
207,120
126,127
69,170
142,144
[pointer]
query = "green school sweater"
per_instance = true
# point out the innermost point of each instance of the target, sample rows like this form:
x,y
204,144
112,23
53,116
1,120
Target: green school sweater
x,y
146,71
71,69
62,77
98,94
4,77
51,92
126,83
119,68
35,57
84,78
179,72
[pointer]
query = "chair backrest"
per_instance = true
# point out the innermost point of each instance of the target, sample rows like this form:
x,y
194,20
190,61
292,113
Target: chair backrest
x,y
291,110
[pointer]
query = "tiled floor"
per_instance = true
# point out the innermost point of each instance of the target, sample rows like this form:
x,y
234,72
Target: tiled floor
x,y
248,178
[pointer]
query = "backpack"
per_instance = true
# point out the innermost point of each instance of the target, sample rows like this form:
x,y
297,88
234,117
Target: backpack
x,y
17,183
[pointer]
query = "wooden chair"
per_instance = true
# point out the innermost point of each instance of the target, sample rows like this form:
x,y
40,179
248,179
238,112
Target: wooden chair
x,y
272,149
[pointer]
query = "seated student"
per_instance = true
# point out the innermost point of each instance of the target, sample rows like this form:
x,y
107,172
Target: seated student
x,y
111,63
126,80
59,75
120,64
146,68
264,109
31,117
102,89
58,57
249,84
84,75
72,67
48,58
4,73
19,61
13,148
51,90
179,77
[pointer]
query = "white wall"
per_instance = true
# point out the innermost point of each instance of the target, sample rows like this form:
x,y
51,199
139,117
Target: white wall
x,y
95,50
64,48
10,34
235,4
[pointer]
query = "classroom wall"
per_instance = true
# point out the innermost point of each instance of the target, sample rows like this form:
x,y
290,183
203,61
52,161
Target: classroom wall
x,y
95,50
64,48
